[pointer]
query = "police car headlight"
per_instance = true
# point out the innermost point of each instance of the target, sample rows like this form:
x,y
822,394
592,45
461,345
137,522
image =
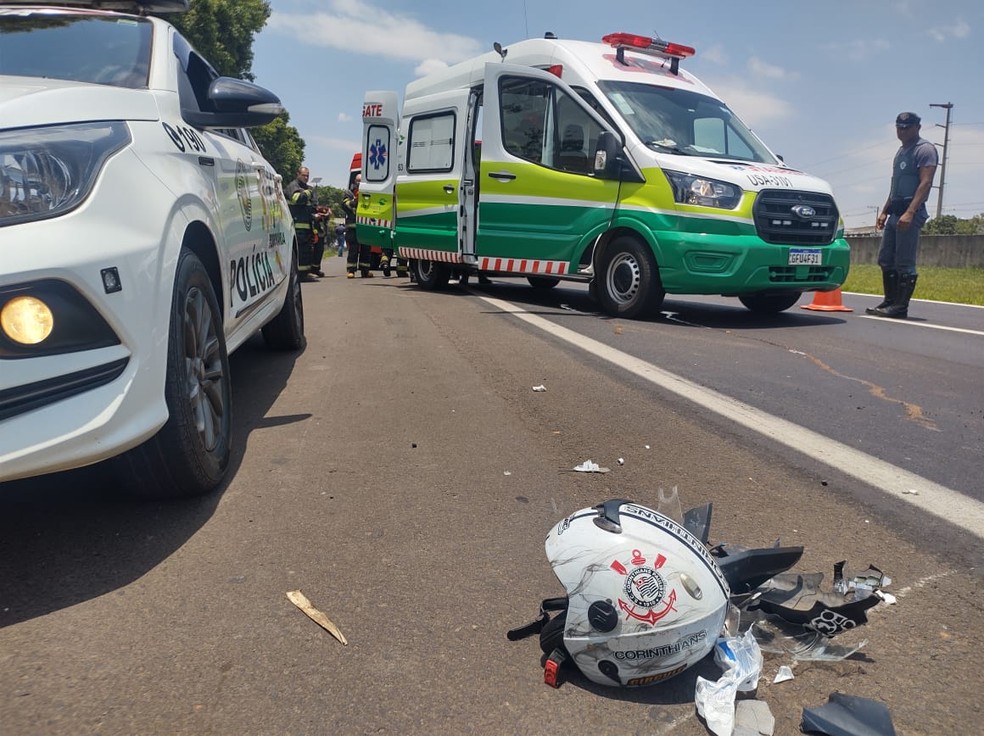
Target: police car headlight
x,y
699,190
46,172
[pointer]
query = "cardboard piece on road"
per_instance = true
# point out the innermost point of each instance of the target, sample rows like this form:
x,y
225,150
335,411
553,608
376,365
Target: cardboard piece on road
x,y
300,600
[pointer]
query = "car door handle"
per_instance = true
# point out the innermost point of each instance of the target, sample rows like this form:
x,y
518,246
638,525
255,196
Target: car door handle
x,y
448,189
502,175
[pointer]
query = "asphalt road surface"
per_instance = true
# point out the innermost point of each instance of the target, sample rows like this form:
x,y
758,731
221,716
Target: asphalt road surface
x,y
403,474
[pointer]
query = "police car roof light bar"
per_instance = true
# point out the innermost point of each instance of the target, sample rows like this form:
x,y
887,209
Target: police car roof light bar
x,y
646,45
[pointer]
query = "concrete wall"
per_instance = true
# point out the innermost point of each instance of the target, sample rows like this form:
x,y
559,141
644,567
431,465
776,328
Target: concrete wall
x,y
953,251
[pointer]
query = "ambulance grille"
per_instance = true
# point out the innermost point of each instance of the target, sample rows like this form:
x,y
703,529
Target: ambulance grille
x,y
777,221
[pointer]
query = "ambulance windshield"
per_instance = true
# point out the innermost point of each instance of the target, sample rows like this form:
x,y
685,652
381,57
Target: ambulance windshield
x,y
682,122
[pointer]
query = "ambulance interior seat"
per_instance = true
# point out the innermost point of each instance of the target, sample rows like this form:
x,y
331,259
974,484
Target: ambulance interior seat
x,y
572,156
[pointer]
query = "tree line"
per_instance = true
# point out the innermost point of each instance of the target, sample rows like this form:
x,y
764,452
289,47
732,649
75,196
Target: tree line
x,y
951,225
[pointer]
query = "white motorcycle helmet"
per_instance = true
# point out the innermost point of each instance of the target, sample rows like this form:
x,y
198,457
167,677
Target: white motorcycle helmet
x,y
645,598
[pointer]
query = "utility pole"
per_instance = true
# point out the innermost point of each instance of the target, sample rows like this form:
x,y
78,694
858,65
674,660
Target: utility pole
x,y
946,142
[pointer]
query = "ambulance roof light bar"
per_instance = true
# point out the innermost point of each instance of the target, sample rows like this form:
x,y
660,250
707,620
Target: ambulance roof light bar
x,y
646,45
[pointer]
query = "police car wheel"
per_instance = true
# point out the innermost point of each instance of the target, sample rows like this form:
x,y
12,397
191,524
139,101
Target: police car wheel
x,y
431,275
286,330
770,303
190,453
542,282
629,284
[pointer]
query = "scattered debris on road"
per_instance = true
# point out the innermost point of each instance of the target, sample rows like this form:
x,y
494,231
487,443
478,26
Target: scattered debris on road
x,y
300,600
754,718
589,466
602,556
848,715
784,674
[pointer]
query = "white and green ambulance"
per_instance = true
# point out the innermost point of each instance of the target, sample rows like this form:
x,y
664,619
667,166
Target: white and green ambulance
x,y
603,163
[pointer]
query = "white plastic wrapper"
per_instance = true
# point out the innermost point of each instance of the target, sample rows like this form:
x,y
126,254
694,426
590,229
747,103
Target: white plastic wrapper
x,y
741,660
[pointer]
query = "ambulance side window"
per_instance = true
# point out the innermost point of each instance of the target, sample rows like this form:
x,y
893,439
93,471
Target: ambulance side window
x,y
523,105
543,124
430,141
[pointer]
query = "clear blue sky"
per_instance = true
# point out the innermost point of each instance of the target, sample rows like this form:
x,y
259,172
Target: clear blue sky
x,y
819,82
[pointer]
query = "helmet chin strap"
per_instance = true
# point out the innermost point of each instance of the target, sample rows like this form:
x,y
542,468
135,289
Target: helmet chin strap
x,y
536,626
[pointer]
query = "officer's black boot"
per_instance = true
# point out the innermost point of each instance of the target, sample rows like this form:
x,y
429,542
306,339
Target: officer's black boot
x,y
899,309
890,281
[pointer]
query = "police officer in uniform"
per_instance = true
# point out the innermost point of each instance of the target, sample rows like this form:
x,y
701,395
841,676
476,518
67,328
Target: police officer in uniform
x,y
903,216
303,201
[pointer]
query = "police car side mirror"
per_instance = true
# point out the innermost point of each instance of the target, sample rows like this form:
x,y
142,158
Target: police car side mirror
x,y
236,104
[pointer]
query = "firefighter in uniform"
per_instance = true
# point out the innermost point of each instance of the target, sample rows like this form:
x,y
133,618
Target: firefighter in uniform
x,y
303,200
358,253
402,264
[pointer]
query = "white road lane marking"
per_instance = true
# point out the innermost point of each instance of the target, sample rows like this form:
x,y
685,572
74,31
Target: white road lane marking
x,y
931,498
910,323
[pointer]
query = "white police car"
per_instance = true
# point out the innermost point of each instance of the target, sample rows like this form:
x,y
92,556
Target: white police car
x,y
143,237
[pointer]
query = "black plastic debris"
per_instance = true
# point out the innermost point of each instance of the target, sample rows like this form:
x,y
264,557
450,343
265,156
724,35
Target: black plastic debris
x,y
746,569
799,599
848,715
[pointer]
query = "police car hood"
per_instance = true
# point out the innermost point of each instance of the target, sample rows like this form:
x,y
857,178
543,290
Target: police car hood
x,y
30,101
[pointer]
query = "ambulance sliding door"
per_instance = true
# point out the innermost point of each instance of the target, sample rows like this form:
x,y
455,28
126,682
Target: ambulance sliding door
x,y
380,127
435,135
540,199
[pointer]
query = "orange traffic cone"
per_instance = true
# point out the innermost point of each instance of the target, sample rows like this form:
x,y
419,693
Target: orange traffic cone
x,y
827,301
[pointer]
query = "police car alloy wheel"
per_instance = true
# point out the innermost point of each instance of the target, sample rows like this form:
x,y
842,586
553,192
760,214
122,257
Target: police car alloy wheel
x,y
189,455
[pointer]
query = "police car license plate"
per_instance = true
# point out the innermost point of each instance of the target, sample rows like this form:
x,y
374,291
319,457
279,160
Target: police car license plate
x,y
805,257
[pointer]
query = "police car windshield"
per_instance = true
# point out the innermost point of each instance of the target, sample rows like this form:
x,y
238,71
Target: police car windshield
x,y
682,122
52,44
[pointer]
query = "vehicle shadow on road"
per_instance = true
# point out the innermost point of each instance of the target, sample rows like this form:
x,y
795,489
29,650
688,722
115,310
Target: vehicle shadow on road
x,y
66,538
574,299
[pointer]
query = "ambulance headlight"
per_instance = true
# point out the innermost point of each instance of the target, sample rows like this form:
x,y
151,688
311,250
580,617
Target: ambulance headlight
x,y
46,172
699,190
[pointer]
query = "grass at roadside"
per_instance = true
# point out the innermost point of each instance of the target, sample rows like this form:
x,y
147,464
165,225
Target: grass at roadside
x,y
964,285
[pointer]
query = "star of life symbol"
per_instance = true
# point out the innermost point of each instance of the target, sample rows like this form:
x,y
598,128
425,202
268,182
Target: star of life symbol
x,y
377,154
645,589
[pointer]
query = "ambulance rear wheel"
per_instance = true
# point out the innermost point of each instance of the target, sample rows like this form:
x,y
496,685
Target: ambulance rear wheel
x,y
628,280
542,282
431,275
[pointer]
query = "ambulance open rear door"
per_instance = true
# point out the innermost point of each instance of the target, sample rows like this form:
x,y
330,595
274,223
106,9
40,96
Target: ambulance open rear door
x,y
377,201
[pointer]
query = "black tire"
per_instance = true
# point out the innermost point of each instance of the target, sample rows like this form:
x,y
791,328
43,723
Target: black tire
x,y
542,282
430,275
770,303
286,330
628,280
190,453
552,634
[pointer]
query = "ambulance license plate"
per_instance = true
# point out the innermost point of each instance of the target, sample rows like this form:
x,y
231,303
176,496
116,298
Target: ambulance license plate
x,y
805,257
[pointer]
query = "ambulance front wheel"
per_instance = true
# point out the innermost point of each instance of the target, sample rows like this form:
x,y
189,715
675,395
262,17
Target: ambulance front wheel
x,y
628,280
430,274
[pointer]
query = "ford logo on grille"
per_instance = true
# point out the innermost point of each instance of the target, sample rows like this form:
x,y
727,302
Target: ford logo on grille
x,y
804,211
